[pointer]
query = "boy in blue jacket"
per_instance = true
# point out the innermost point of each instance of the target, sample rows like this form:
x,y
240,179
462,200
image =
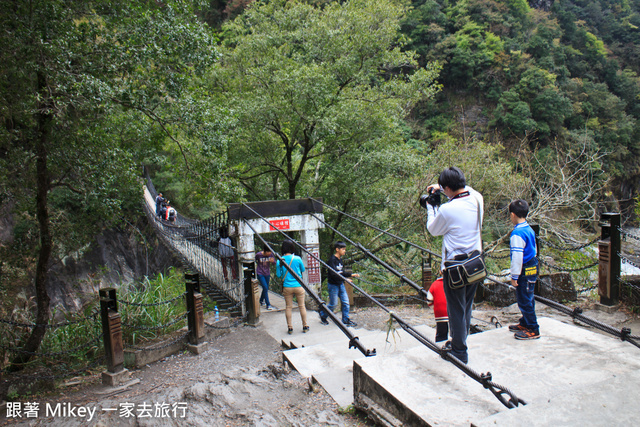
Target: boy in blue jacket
x,y
524,270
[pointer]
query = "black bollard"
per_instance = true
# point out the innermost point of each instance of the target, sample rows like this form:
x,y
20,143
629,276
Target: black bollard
x,y
427,271
112,338
251,290
609,267
195,315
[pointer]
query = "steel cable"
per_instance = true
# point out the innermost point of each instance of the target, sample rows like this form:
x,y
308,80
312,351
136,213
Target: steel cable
x,y
152,304
568,248
379,229
624,334
377,260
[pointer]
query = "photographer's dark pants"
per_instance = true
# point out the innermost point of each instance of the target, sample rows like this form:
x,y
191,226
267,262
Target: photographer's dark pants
x,y
459,305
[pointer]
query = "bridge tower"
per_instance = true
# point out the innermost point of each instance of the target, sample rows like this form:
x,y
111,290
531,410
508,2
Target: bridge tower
x,y
286,215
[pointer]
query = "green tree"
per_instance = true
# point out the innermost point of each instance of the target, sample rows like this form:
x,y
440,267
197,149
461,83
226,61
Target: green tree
x,y
309,83
81,84
513,115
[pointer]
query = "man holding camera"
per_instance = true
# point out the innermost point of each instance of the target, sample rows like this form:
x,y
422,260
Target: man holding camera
x,y
459,222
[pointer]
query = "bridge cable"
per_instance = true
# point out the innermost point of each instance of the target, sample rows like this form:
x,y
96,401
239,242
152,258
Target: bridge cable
x,y
379,229
378,261
624,334
497,390
354,341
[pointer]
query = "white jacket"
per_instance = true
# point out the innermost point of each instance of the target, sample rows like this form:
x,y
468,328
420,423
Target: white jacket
x,y
457,222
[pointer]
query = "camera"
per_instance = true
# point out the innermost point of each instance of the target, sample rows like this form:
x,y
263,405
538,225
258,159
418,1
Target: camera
x,y
433,198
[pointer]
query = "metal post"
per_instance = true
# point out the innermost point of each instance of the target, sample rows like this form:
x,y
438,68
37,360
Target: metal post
x,y
609,268
111,330
251,291
112,338
195,311
427,271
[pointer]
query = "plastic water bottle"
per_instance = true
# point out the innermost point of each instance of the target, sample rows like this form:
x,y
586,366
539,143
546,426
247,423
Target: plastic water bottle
x,y
217,313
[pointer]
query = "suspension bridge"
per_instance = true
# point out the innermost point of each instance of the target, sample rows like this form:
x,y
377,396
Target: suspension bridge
x,y
571,375
398,381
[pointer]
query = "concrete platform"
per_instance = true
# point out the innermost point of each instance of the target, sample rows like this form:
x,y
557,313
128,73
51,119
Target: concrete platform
x,y
323,353
570,376
330,363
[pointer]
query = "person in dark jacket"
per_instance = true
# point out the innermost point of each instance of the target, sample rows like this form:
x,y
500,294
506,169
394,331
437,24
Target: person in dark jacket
x,y
159,201
336,286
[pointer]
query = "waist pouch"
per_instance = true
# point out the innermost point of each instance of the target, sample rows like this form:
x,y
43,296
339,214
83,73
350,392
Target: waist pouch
x,y
465,269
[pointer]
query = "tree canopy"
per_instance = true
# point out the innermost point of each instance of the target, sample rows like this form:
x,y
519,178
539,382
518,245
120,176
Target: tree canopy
x,y
87,89
310,86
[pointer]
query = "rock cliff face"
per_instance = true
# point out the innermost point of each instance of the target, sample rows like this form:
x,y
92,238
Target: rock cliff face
x,y
541,4
116,256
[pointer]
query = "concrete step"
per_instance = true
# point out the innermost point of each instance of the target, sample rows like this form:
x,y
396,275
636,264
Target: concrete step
x,y
330,363
569,369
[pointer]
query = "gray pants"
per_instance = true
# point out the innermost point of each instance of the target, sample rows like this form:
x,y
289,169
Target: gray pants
x,y
459,305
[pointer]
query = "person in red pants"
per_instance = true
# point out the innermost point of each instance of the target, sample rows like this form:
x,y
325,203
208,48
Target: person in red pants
x,y
437,299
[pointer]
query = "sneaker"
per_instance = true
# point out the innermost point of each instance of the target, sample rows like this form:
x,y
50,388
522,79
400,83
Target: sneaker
x,y
446,346
527,335
305,329
351,324
324,321
271,307
516,328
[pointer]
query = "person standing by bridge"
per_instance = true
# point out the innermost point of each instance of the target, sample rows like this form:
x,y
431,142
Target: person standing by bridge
x,y
460,223
264,261
524,270
335,284
227,254
290,286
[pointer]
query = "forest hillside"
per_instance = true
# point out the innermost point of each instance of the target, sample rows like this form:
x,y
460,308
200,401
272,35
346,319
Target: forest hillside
x,y
360,102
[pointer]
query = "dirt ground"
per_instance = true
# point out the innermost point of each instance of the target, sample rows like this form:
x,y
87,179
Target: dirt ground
x,y
241,380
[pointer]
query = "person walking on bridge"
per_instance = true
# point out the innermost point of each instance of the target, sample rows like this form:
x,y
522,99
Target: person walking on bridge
x,y
335,284
159,201
290,286
460,223
227,254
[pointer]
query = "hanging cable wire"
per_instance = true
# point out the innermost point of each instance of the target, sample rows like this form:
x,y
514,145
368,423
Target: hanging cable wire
x,y
624,334
354,341
378,261
379,229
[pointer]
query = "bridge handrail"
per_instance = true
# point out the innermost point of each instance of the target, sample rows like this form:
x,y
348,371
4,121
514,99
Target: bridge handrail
x,y
192,242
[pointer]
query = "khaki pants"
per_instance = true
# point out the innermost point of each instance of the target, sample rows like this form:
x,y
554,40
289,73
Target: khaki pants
x,y
299,293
